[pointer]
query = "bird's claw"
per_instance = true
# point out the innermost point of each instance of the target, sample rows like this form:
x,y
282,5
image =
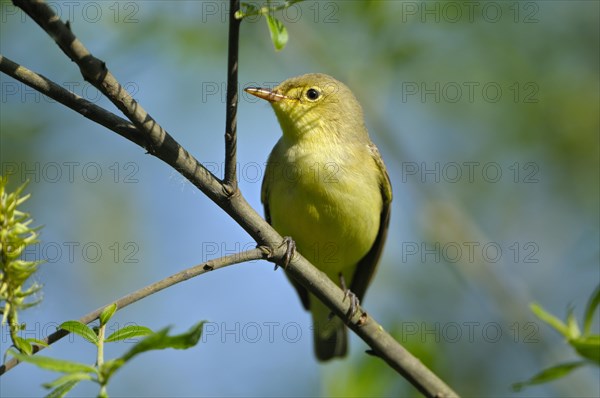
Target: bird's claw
x,y
290,250
354,301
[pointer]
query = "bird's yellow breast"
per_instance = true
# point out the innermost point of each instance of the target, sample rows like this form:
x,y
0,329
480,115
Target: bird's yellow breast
x,y
328,201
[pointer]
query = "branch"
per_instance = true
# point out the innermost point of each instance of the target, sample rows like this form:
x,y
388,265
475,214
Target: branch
x,y
157,141
211,265
230,180
82,106
160,144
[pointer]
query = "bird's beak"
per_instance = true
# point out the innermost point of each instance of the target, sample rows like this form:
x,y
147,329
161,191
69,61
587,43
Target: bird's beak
x,y
265,93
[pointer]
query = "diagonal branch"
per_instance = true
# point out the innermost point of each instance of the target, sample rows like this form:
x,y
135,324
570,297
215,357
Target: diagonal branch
x,y
211,265
93,70
80,105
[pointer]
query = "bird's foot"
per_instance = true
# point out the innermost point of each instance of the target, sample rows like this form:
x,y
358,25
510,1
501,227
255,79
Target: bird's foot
x,y
354,301
290,250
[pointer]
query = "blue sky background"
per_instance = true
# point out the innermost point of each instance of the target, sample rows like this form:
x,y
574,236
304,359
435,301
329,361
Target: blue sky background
x,y
446,89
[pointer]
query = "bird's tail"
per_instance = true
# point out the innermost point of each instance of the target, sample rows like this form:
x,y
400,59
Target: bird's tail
x,y
330,335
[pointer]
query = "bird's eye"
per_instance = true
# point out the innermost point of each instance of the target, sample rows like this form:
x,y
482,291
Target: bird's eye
x,y
312,94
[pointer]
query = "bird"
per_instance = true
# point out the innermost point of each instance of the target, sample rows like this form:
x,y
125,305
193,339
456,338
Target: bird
x,y
327,188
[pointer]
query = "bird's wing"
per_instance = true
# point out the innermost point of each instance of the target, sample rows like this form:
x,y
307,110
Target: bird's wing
x,y
264,198
367,265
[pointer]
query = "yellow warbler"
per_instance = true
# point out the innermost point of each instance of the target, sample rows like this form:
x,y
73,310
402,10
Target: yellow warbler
x,y
327,188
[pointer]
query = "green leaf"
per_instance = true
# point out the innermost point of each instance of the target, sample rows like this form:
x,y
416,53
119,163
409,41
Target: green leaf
x,y
574,331
129,332
80,329
23,346
588,347
107,313
553,373
589,311
62,390
110,367
77,377
161,340
248,10
550,319
56,365
39,342
278,32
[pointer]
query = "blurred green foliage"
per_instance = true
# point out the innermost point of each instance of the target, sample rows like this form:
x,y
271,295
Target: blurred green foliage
x,y
586,344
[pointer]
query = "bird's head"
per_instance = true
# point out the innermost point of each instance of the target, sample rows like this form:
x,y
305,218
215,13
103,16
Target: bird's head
x,y
314,103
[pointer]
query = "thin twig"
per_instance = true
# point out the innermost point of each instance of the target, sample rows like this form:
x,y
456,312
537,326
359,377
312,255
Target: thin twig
x,y
230,180
211,265
80,105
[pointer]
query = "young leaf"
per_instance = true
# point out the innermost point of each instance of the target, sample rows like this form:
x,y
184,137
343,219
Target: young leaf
x,y
62,390
589,311
278,32
110,367
57,365
78,376
550,319
39,342
23,345
588,347
574,331
161,340
247,10
80,329
129,332
553,373
107,313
